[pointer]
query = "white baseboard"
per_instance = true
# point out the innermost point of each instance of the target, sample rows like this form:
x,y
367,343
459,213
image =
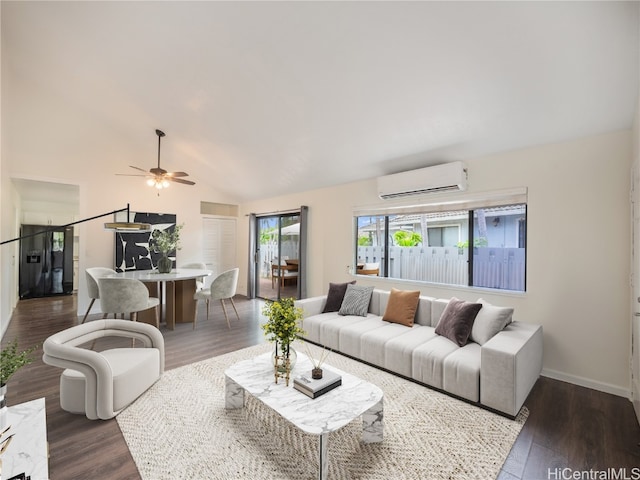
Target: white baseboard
x,y
588,383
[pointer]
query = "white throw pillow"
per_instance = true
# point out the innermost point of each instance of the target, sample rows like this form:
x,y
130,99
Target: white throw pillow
x,y
489,321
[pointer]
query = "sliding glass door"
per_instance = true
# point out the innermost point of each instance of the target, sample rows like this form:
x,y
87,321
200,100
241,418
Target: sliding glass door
x,y
277,256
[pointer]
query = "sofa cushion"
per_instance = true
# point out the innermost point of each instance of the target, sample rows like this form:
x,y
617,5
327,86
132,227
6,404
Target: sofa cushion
x,y
373,343
356,300
398,350
312,325
427,360
457,320
401,307
350,337
461,372
335,296
489,321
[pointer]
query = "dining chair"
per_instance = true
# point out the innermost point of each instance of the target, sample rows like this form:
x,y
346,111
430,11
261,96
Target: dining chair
x,y
93,274
223,287
126,296
197,266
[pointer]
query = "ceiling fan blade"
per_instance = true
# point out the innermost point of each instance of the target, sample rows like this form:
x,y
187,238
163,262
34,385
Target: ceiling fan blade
x,y
179,180
138,168
177,174
131,175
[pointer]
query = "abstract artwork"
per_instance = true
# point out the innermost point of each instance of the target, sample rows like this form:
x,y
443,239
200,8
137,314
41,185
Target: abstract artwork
x,y
132,249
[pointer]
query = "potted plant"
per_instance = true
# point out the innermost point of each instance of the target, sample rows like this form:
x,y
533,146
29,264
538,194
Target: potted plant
x,y
282,328
164,242
10,362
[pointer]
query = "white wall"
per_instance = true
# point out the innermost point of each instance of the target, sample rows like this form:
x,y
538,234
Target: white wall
x,y
578,249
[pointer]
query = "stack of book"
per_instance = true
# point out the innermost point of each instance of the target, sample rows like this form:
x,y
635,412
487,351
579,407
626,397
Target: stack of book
x,y
314,388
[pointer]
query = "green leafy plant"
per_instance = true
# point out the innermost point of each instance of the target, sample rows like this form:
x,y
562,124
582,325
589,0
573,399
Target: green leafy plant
x,y
165,241
282,326
403,238
11,361
477,242
364,241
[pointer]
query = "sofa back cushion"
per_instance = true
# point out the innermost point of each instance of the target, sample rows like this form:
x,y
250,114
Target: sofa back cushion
x,y
437,307
423,313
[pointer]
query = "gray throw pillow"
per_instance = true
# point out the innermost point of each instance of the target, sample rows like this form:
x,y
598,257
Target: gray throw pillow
x,y
356,300
335,296
489,321
457,319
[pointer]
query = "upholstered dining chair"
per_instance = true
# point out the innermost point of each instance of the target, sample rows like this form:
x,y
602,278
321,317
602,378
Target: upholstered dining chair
x,y
197,266
93,274
101,384
125,296
223,287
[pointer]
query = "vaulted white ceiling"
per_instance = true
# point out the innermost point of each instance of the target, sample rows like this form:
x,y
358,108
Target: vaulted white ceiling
x,y
263,98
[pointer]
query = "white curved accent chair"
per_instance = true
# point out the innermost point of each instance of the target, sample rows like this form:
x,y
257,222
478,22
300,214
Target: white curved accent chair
x,y
197,266
223,287
93,274
125,296
101,384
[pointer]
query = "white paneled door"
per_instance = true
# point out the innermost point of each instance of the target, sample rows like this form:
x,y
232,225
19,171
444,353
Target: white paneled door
x,y
219,244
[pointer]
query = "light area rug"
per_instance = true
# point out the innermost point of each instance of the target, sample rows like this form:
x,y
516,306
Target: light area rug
x,y
179,429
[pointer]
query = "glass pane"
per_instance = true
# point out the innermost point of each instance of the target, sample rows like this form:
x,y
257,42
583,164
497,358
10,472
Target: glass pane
x,y
499,252
370,245
429,247
279,251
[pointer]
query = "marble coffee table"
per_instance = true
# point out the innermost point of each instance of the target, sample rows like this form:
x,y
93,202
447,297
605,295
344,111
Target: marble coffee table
x,y
319,416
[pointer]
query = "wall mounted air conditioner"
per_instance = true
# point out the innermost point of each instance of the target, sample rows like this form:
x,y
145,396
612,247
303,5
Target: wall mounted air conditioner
x,y
447,177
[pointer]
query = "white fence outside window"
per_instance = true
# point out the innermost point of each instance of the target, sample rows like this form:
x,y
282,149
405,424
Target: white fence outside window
x,y
502,268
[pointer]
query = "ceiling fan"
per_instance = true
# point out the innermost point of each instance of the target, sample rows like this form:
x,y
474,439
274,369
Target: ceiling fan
x,y
159,177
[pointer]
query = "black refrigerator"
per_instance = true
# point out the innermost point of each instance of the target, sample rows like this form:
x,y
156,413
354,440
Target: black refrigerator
x,y
46,261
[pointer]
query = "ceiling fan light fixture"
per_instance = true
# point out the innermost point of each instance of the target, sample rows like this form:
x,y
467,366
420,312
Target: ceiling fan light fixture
x,y
158,177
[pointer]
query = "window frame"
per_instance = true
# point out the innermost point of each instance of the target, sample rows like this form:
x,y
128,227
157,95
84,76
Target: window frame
x,y
470,204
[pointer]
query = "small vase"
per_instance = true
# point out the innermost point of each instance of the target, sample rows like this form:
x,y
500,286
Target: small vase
x,y
277,356
165,264
316,373
283,360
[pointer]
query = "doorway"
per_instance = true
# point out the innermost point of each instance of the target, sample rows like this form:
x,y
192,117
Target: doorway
x,y
278,256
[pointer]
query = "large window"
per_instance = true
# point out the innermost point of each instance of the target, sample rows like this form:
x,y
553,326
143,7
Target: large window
x,y
482,247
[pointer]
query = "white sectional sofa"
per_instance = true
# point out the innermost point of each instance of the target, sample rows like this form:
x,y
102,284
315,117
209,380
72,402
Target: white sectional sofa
x,y
499,374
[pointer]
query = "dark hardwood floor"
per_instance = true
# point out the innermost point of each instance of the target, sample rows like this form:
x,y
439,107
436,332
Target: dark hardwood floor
x,y
568,427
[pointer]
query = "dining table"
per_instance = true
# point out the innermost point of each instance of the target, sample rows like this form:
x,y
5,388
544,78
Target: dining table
x,y
175,291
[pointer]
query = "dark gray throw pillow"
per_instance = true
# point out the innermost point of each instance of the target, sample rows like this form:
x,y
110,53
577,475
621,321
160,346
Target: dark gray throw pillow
x,y
457,319
335,296
356,301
